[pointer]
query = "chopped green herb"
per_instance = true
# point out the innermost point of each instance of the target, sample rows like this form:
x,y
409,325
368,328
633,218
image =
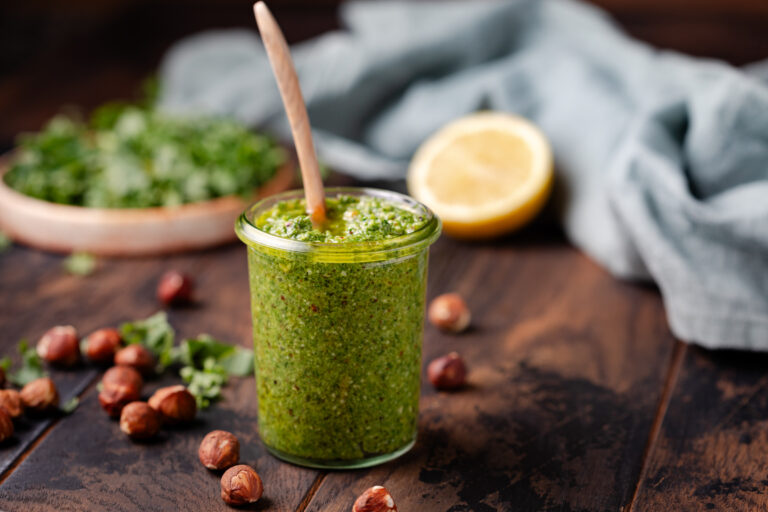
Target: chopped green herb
x,y
31,366
80,264
155,333
233,359
5,363
208,363
204,384
70,405
130,156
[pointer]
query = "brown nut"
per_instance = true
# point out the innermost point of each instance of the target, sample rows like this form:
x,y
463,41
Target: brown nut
x,y
60,345
219,450
447,372
115,397
39,395
10,400
139,420
136,356
241,485
122,376
175,404
6,425
120,386
175,288
449,312
375,499
101,345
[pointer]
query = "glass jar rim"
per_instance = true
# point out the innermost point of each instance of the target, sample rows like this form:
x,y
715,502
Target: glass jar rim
x,y
379,250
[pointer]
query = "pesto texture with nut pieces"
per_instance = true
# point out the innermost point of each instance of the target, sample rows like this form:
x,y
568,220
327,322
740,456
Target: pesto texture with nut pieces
x,y
338,345
349,219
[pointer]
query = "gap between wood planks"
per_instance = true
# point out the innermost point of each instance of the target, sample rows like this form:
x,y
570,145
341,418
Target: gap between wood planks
x,y
55,421
670,383
311,492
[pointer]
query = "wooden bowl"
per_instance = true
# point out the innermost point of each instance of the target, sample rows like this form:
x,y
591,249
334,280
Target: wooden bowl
x,y
125,231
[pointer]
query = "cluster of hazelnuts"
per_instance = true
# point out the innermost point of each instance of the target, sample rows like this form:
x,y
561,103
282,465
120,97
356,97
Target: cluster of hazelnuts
x,y
121,385
60,346
240,484
38,397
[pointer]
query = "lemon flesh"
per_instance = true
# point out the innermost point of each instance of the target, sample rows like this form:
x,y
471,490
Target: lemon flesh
x,y
484,175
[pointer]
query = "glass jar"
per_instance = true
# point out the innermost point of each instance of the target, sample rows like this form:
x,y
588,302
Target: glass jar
x,y
337,338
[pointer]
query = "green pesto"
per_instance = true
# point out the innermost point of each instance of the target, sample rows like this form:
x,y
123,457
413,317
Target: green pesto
x,y
338,345
349,219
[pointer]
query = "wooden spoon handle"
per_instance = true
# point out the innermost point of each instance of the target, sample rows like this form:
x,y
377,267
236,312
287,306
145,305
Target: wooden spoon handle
x,y
295,109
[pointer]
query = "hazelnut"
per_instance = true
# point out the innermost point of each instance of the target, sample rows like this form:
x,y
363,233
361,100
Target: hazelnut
x,y
219,450
137,356
175,288
175,404
101,345
115,397
449,312
375,499
139,420
6,425
241,485
447,372
60,345
10,400
39,395
122,376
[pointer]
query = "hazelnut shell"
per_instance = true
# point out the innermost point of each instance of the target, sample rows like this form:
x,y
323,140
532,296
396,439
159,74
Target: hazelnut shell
x,y
115,397
60,346
123,376
136,356
241,485
175,404
101,345
447,372
6,425
139,421
449,312
218,450
175,287
375,499
40,395
10,400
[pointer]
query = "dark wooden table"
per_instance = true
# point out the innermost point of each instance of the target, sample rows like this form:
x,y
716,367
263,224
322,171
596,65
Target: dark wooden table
x,y
579,396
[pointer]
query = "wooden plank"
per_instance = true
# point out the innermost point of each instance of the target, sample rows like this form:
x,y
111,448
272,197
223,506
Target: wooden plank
x,y
86,463
566,370
712,449
32,286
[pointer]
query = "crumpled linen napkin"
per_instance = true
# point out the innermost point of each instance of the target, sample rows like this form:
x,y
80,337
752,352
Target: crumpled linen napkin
x,y
663,158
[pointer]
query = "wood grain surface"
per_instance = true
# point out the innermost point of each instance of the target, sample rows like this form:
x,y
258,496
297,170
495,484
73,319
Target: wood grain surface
x,y
712,451
579,397
567,366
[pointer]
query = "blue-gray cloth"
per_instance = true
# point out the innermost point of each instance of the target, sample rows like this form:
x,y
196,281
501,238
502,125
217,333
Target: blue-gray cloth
x,y
663,158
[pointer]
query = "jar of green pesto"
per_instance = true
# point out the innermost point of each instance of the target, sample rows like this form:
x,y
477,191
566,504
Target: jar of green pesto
x,y
337,320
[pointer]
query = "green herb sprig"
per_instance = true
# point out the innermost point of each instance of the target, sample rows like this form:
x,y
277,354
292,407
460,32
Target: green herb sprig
x,y
205,362
31,365
80,264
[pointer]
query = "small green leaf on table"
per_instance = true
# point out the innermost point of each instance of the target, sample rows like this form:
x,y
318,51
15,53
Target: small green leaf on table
x,y
31,366
80,264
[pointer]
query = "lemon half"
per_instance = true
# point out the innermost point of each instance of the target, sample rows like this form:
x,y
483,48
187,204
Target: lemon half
x,y
484,175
